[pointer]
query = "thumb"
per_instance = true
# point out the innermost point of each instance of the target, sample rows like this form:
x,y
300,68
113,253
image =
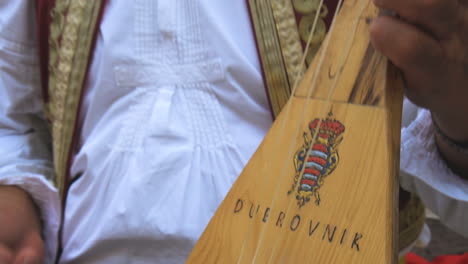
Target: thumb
x,y
6,256
31,251
29,256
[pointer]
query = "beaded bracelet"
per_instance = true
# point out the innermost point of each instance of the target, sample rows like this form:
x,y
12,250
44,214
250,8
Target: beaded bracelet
x,y
458,146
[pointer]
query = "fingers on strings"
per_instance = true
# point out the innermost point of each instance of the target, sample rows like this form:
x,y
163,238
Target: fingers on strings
x,y
438,18
414,51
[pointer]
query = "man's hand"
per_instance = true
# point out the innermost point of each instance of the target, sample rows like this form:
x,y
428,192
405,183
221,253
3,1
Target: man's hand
x,y
428,41
20,228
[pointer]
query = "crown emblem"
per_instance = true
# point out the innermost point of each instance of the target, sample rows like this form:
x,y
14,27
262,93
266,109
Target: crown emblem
x,y
316,159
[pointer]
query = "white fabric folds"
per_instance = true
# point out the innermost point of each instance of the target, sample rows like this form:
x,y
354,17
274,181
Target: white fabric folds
x,y
174,108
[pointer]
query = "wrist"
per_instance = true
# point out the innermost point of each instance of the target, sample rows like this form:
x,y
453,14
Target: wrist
x,y
453,151
452,128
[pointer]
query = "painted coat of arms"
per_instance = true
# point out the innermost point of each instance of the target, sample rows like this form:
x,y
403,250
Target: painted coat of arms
x,y
316,159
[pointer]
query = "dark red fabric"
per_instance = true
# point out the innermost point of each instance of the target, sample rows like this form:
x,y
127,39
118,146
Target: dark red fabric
x,y
260,59
412,258
76,133
331,5
43,19
43,22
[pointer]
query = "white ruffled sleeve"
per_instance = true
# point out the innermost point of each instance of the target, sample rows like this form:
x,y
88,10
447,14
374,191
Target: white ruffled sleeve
x,y
25,152
423,171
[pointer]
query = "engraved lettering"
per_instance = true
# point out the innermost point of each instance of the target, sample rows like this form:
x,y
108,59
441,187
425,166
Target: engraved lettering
x,y
312,230
343,236
355,241
295,222
239,205
265,215
327,231
281,217
251,211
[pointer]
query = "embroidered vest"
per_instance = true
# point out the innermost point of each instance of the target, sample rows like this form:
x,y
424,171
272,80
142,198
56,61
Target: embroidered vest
x,y
66,34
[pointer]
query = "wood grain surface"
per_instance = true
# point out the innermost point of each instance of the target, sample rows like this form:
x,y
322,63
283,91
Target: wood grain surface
x,y
352,98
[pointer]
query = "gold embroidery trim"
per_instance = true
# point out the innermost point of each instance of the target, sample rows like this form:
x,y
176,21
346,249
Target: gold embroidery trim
x,y
72,31
289,39
280,47
275,73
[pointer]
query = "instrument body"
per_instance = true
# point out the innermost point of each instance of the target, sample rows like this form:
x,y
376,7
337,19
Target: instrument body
x,y
323,185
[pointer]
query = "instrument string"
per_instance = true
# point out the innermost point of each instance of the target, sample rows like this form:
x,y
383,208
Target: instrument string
x,y
282,128
323,112
342,61
322,52
313,86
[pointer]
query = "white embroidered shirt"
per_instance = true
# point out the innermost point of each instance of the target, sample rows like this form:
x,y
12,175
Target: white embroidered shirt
x,y
174,108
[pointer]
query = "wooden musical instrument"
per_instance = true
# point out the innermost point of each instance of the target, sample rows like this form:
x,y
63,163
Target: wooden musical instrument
x,y
323,185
